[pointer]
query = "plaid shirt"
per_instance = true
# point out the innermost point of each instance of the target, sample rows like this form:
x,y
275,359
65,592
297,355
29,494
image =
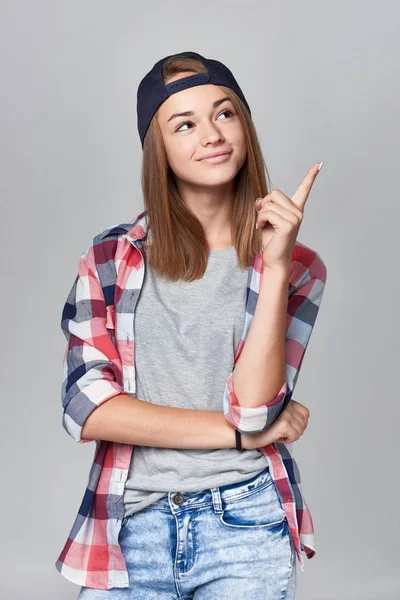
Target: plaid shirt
x,y
97,321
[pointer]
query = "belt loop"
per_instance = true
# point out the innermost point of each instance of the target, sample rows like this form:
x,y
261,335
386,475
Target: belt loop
x,y
216,500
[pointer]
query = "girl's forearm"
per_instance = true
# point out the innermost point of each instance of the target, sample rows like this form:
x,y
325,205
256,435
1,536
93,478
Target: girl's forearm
x,y
261,369
130,420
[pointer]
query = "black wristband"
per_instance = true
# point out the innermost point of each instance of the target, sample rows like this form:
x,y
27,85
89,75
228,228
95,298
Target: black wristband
x,y
238,440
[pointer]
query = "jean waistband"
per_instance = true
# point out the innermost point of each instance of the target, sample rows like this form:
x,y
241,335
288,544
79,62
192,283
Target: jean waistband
x,y
182,501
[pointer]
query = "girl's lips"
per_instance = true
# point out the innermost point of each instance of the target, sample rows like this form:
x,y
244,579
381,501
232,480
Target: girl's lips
x,y
217,159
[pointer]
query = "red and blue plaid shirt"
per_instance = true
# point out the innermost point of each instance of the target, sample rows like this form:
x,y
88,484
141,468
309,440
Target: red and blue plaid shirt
x,y
99,363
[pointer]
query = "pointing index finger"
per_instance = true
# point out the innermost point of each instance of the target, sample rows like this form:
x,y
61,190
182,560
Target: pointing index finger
x,y
303,191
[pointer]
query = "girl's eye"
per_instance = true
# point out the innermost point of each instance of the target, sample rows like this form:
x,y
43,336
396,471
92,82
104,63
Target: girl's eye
x,y
190,122
228,111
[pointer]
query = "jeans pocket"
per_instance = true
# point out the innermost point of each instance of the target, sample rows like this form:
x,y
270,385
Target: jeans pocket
x,y
260,508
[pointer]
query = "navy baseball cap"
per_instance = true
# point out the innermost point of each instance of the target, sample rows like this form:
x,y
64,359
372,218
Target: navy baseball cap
x,y
152,90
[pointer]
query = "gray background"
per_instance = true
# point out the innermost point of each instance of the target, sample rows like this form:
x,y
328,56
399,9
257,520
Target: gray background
x,y
321,81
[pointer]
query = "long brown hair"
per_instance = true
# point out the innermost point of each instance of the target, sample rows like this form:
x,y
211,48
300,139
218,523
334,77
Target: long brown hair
x,y
179,249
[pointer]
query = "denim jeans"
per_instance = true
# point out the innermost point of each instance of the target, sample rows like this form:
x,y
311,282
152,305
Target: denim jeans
x,y
225,543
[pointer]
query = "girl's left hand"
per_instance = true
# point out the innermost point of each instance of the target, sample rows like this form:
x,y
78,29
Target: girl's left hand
x,y
280,218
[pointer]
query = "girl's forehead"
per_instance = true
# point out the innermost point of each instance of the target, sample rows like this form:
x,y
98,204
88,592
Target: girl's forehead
x,y
196,98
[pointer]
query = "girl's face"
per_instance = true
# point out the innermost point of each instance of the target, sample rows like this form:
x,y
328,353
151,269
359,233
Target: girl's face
x,y
209,126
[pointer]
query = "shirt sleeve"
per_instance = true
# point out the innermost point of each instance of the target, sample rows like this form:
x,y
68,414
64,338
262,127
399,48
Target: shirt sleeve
x,y
303,305
91,364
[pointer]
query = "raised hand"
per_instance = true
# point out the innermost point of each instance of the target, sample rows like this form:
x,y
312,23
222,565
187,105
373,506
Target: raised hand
x,y
280,218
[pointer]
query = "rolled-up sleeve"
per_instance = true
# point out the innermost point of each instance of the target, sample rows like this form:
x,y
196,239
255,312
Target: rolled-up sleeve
x,y
91,364
304,302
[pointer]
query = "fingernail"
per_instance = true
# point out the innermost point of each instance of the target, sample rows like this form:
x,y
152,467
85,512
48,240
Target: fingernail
x,y
256,225
320,165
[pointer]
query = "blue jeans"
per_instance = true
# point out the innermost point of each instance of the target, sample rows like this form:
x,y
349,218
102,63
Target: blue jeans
x,y
226,543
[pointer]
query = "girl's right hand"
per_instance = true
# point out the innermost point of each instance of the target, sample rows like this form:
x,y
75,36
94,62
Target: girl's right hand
x,y
286,428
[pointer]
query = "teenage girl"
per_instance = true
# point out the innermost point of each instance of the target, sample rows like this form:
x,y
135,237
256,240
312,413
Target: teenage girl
x,y
186,329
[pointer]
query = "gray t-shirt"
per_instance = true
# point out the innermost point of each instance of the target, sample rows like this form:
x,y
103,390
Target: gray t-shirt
x,y
186,336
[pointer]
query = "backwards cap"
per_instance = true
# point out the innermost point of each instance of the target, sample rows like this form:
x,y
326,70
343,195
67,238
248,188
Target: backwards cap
x,y
152,90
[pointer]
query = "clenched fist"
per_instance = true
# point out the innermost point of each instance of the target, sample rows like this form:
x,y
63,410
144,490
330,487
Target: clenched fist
x,y
286,428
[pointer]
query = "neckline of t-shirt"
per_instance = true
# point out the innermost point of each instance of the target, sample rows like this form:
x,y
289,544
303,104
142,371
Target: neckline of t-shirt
x,y
212,252
221,249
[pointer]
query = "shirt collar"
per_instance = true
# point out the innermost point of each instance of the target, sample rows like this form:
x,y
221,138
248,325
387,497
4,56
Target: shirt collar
x,y
136,229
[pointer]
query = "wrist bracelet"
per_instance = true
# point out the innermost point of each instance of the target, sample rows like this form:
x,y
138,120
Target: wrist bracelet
x,y
238,440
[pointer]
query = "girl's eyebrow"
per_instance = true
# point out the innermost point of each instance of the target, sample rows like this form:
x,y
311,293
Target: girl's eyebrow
x,y
190,113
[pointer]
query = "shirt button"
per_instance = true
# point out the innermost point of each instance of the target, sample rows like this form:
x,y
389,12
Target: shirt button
x,y
178,499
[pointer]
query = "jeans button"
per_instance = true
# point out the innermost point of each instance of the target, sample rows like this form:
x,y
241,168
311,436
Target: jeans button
x,y
178,499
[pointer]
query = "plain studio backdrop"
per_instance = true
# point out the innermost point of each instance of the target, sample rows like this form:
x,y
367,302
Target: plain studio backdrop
x,y
322,82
